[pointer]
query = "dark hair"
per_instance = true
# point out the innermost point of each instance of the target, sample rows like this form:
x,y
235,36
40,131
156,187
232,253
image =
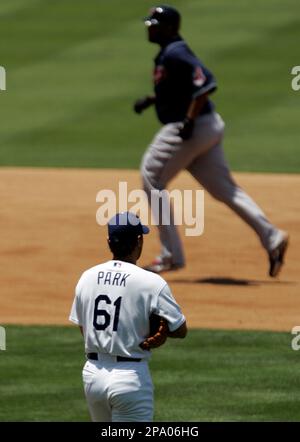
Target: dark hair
x,y
122,245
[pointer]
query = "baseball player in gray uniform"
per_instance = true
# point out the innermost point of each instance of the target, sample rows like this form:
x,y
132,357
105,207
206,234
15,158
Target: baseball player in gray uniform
x,y
191,138
112,306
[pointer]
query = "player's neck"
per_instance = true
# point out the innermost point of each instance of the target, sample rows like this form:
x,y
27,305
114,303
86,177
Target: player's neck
x,y
129,259
170,39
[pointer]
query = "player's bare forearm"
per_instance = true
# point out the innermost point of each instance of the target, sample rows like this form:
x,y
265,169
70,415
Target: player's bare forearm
x,y
196,106
194,110
143,103
151,99
180,333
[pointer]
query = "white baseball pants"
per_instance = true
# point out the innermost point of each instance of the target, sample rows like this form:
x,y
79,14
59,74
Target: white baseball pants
x,y
118,391
203,157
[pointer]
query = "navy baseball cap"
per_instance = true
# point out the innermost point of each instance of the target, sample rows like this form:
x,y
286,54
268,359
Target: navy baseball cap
x,y
163,14
126,223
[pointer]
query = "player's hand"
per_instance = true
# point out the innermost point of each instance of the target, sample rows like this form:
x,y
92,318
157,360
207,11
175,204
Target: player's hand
x,y
187,128
142,104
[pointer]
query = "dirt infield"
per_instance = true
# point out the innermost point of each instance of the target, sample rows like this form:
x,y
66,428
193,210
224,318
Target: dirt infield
x,y
49,236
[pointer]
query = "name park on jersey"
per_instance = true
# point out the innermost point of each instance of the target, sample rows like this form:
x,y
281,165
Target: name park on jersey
x,y
112,278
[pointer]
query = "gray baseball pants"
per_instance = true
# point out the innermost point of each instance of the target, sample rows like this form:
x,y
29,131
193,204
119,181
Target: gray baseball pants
x,y
203,157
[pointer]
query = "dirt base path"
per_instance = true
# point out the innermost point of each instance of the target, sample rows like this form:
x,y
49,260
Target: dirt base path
x,y
49,236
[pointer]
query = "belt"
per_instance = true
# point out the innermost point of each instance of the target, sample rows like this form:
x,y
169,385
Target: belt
x,y
94,357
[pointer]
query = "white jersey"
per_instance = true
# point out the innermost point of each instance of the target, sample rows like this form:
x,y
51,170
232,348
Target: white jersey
x,y
113,302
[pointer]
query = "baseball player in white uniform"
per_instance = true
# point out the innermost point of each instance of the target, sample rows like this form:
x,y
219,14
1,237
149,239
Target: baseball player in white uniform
x,y
112,306
192,138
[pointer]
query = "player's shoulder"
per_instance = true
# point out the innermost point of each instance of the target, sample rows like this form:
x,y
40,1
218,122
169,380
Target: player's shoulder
x,y
152,278
92,271
176,48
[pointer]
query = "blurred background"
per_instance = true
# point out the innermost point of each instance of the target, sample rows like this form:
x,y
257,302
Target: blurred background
x,y
74,69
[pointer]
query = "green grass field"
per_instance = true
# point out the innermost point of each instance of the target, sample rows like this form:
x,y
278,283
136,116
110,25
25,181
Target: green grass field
x,y
74,69
210,376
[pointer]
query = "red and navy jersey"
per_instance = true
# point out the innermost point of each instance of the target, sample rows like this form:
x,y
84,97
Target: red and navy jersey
x,y
179,76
